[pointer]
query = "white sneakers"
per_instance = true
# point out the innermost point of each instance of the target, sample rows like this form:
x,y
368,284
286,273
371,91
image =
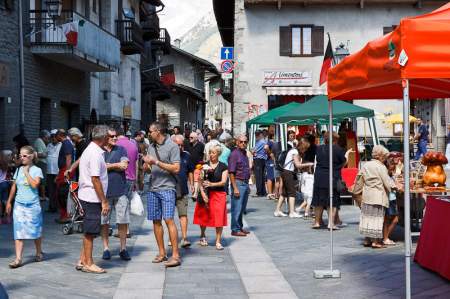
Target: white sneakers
x,y
298,209
295,215
291,215
279,214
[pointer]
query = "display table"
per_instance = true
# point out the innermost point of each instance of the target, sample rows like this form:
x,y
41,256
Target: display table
x,y
433,248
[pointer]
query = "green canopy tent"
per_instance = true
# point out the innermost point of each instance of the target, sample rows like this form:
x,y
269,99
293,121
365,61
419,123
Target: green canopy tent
x,y
316,111
268,118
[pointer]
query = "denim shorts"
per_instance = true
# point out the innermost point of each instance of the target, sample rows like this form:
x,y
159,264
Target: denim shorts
x,y
392,210
161,205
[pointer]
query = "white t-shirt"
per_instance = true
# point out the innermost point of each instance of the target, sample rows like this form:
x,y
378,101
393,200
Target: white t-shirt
x,y
52,158
92,163
289,162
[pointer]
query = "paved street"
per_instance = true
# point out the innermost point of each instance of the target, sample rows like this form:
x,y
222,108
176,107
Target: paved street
x,y
275,261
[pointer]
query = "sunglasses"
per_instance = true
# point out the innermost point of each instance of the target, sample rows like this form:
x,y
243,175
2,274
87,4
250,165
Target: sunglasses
x,y
24,156
240,141
112,136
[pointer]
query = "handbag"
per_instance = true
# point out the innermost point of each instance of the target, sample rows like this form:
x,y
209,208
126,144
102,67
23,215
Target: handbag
x,y
136,205
179,192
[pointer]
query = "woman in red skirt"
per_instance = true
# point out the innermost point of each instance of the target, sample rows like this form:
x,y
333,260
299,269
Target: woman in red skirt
x,y
213,212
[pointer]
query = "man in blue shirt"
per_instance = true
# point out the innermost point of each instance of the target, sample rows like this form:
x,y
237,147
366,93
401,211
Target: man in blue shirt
x,y
259,162
185,178
422,137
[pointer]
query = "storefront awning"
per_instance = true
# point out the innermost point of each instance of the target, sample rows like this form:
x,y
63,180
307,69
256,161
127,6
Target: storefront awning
x,y
295,90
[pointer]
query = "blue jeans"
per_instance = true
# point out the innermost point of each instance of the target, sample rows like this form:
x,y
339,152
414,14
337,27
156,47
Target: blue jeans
x,y
238,205
421,149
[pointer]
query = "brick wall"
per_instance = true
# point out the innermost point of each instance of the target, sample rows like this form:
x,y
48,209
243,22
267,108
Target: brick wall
x,y
9,57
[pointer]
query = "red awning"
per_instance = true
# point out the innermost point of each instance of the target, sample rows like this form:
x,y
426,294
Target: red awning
x,y
375,71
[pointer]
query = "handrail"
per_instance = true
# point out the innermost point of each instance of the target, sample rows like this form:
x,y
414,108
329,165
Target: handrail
x,y
70,12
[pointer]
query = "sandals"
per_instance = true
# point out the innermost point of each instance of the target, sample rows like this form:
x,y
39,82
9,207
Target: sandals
x,y
94,269
173,262
378,246
159,259
79,266
15,264
389,242
203,242
39,258
219,246
185,243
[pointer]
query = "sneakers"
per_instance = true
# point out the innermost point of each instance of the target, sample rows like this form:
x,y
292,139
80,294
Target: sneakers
x,y
124,255
279,214
295,215
106,255
298,209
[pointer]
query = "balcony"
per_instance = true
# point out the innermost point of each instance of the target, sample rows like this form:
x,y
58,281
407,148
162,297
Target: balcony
x,y
90,48
150,27
130,35
162,42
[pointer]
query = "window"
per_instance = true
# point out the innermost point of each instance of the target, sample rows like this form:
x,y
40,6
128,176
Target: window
x,y
7,4
94,6
133,84
389,29
301,40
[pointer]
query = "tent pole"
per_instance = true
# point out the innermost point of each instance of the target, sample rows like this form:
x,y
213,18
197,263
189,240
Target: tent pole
x,y
375,133
405,84
331,273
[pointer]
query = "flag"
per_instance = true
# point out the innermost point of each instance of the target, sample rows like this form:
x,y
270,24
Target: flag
x,y
327,62
70,30
167,75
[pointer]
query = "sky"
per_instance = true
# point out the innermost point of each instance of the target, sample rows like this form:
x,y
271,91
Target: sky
x,y
181,15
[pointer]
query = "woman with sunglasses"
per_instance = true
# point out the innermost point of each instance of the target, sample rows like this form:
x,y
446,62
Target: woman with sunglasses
x,y
27,213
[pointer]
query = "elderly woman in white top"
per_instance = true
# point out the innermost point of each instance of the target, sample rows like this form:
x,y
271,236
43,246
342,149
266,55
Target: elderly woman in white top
x,y
376,187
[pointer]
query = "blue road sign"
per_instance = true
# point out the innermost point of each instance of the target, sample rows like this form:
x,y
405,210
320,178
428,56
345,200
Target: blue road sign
x,y
227,53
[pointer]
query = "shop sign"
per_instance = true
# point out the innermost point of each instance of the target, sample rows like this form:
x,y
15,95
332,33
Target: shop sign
x,y
4,75
127,111
287,78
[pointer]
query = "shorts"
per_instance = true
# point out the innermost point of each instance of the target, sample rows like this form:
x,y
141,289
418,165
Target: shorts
x,y
161,205
289,183
392,210
276,173
121,205
270,173
182,205
92,217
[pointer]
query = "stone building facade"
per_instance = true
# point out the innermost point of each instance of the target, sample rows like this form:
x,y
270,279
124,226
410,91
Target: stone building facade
x,y
290,37
9,73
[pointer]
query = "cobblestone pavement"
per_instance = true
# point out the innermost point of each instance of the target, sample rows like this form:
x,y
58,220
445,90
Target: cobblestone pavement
x,y
297,250
276,261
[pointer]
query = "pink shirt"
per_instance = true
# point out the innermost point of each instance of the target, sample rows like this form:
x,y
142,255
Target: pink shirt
x,y
92,163
133,156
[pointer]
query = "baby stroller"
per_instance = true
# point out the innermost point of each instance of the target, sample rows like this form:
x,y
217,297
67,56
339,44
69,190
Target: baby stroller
x,y
76,212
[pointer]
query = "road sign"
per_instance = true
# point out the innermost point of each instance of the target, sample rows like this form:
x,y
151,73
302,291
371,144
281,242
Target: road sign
x,y
227,53
227,76
227,66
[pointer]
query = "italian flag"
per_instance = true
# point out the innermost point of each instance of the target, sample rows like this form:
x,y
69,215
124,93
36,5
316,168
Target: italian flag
x,y
70,30
327,62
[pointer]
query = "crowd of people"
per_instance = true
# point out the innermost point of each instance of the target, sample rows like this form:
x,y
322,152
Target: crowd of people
x,y
109,166
301,174
205,167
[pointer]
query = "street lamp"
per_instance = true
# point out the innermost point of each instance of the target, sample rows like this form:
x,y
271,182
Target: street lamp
x,y
54,8
340,53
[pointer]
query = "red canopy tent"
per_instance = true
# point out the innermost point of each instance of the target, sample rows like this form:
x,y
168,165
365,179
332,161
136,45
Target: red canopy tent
x,y
413,61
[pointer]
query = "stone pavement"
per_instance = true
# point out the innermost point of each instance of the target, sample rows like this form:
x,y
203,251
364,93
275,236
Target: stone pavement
x,y
297,250
275,261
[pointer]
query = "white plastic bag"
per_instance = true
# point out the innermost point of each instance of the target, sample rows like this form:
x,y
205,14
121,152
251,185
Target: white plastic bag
x,y
136,206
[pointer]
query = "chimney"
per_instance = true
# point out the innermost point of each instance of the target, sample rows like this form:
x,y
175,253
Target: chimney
x,y
177,43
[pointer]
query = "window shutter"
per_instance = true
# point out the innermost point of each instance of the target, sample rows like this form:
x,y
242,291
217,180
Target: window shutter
x,y
317,36
389,29
285,40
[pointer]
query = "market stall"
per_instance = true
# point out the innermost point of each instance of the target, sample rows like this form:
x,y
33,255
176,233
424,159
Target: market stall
x,y
267,119
410,62
316,111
